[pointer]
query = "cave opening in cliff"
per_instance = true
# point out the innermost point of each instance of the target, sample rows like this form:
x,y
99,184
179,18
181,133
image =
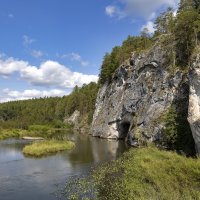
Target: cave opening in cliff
x,y
123,129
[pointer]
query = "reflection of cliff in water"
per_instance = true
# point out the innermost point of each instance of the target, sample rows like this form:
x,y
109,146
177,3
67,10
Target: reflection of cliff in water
x,y
87,150
90,149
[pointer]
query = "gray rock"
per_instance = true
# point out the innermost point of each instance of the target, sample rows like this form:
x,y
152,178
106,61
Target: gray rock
x,y
141,91
73,119
194,102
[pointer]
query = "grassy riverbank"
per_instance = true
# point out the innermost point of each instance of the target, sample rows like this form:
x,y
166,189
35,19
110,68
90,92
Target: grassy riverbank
x,y
143,174
43,148
149,173
45,131
12,133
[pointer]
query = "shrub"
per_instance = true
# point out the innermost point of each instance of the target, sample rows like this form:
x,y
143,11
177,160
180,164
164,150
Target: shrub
x,y
42,128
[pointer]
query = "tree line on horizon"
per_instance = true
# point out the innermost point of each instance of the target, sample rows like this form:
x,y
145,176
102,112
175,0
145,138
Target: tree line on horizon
x,y
50,110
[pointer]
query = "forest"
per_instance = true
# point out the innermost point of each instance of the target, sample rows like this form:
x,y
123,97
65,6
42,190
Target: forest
x,y
50,110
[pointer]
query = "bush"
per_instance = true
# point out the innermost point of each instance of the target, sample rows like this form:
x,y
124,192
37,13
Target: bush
x,y
177,132
58,124
171,131
42,128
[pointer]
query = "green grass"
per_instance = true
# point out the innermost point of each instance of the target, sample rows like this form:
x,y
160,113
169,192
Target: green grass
x,y
141,174
149,173
43,148
44,131
19,133
11,133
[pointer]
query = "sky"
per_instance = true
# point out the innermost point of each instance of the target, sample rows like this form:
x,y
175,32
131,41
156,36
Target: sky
x,y
49,46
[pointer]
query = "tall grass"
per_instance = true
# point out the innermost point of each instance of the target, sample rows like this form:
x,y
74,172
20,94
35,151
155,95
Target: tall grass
x,y
142,174
43,148
11,133
45,131
149,173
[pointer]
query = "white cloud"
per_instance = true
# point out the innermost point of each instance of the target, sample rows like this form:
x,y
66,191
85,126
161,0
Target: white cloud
x,y
27,40
52,73
49,73
110,10
10,65
115,11
149,26
84,63
141,8
37,53
146,9
11,95
76,57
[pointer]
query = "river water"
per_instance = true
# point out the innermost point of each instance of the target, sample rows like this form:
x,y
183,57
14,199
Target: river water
x,y
24,178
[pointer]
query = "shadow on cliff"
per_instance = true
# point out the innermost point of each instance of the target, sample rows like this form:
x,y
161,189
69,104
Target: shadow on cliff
x,y
184,141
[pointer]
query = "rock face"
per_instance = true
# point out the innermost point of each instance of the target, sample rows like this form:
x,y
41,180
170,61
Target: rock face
x,y
79,122
141,91
73,119
194,102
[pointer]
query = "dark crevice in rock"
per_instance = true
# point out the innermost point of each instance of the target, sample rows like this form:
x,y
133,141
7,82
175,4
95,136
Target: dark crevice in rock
x,y
114,121
123,129
147,68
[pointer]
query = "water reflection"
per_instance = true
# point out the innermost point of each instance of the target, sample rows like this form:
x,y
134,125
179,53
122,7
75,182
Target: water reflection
x,y
28,178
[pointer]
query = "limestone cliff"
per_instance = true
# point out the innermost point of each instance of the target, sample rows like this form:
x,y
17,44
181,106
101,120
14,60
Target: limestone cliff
x,y
78,121
141,92
194,102
73,119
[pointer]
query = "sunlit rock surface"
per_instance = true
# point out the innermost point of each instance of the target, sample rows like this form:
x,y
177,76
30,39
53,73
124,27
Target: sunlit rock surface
x,y
73,119
194,102
141,91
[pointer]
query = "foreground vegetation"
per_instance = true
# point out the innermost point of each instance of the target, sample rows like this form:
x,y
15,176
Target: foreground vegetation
x,y
43,148
141,174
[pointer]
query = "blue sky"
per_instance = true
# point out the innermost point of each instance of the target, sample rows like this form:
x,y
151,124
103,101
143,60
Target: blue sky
x,y
49,46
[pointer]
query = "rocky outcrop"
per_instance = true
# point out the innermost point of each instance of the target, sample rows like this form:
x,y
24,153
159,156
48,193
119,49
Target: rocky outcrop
x,y
194,102
79,122
73,119
141,91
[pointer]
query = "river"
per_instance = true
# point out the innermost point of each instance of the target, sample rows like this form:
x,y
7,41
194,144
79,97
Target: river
x,y
23,178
